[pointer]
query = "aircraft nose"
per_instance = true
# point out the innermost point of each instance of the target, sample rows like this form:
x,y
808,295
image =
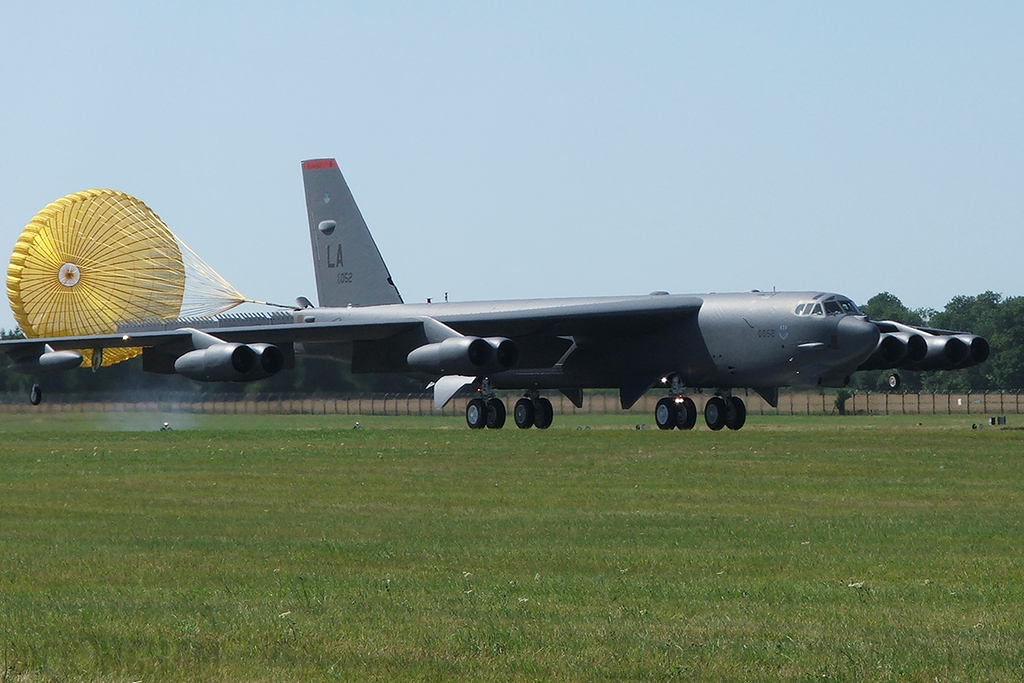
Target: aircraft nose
x,y
857,337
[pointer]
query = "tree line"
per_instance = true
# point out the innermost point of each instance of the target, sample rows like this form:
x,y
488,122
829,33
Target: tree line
x,y
1000,320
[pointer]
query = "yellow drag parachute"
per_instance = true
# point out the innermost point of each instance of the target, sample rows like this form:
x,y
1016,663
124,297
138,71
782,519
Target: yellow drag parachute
x,y
94,259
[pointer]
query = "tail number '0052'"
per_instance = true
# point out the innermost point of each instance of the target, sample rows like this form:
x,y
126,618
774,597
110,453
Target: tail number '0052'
x,y
766,334
344,278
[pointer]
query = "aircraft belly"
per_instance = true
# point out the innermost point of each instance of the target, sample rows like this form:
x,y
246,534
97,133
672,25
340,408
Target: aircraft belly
x,y
613,362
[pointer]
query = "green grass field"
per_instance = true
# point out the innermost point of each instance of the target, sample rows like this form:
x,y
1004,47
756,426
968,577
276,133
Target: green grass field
x,y
294,548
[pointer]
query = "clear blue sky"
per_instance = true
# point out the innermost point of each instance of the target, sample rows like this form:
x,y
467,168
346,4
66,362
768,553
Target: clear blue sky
x,y
507,150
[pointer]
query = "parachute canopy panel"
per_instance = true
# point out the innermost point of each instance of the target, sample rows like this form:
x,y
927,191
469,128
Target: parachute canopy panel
x,y
92,260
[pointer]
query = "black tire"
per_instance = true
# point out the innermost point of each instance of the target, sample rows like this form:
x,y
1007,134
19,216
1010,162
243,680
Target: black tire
x,y
495,414
735,413
523,413
543,413
666,413
714,413
894,381
476,413
686,413
35,395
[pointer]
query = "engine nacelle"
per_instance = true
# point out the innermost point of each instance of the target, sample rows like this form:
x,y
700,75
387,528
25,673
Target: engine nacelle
x,y
895,349
977,349
920,348
952,352
230,362
271,360
472,356
506,352
912,348
945,352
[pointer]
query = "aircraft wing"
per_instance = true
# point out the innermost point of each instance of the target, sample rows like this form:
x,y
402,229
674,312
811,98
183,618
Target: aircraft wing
x,y
634,315
405,326
583,317
270,334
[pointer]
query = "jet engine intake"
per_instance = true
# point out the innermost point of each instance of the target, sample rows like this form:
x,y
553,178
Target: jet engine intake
x,y
471,356
230,362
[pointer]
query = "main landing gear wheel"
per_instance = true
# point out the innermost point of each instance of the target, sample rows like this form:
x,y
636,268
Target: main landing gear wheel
x,y
523,413
533,412
686,413
495,413
894,381
735,412
476,413
543,413
715,411
675,412
666,413
35,395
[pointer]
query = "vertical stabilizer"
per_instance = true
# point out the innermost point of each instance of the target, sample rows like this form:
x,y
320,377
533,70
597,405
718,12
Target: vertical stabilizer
x,y
349,268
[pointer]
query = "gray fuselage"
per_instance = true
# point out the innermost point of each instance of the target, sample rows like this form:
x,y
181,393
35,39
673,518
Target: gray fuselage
x,y
750,339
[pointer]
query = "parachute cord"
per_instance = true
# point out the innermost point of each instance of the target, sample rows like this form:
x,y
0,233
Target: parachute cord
x,y
269,303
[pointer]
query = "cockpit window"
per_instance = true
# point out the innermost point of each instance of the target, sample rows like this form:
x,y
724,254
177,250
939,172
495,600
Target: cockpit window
x,y
849,307
809,309
831,306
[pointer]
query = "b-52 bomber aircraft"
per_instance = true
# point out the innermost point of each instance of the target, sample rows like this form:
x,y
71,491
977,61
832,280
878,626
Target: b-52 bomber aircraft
x,y
679,343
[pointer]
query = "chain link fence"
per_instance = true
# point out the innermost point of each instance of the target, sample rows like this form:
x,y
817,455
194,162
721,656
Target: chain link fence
x,y
595,402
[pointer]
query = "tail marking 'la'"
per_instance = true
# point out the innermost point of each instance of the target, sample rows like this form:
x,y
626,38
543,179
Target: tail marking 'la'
x,y
348,266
